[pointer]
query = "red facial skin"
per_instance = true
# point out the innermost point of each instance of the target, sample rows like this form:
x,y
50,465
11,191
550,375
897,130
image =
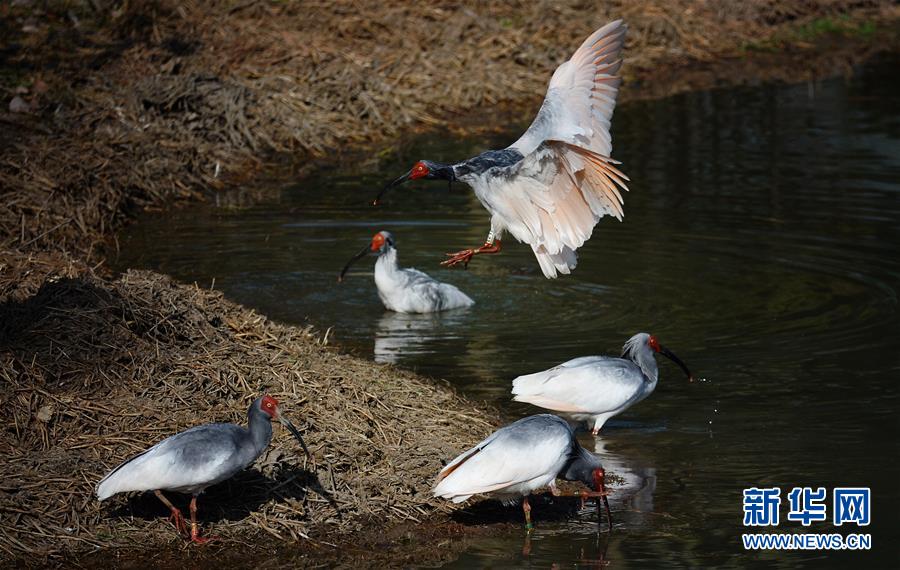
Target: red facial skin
x,y
269,405
599,480
418,171
654,344
377,242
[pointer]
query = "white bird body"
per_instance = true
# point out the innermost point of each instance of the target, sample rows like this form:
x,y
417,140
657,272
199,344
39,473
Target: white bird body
x,y
517,459
187,462
551,187
407,290
511,463
596,388
192,460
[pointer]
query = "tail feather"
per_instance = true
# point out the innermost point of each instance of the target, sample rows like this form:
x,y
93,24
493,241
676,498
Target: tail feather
x,y
553,263
116,481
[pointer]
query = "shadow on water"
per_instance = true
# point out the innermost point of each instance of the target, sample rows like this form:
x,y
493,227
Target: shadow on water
x,y
759,244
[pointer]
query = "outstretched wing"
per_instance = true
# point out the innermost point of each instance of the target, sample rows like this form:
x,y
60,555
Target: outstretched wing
x,y
566,182
581,96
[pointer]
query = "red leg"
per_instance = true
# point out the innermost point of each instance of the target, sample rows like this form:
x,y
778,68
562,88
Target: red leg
x,y
176,517
466,255
195,529
600,483
602,492
526,507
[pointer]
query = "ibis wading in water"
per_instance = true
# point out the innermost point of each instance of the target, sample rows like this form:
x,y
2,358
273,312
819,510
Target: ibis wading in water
x,y
191,461
519,458
596,388
407,290
551,187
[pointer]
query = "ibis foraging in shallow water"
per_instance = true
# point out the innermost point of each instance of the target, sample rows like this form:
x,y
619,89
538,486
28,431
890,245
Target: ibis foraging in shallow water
x,y
407,290
597,387
551,187
191,461
517,459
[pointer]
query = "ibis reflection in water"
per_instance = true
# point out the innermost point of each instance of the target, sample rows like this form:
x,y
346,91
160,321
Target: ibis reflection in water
x,y
191,461
406,290
596,388
551,187
524,456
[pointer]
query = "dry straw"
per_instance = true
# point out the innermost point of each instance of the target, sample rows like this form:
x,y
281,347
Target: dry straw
x,y
95,371
140,104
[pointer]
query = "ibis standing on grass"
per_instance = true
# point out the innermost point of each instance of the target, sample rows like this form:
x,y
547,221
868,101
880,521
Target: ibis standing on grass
x,y
191,461
521,457
407,290
551,187
596,388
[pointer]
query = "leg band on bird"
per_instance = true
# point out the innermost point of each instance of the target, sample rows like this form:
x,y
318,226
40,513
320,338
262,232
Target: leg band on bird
x,y
526,507
195,529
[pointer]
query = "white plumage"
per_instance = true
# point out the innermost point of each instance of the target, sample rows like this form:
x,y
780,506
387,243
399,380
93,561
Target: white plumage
x,y
551,187
506,465
517,459
407,290
566,182
596,388
192,460
164,466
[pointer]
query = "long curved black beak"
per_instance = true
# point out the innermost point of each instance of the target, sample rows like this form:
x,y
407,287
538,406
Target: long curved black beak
x,y
668,354
354,259
296,433
396,182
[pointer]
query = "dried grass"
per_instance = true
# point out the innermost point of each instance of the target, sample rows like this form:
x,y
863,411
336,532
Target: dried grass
x,y
142,104
96,370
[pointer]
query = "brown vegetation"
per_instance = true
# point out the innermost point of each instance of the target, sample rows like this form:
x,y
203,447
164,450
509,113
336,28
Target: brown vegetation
x,y
116,107
96,370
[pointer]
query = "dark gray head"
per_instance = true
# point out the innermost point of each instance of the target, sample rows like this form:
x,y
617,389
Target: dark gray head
x,y
641,349
266,408
584,466
423,169
381,243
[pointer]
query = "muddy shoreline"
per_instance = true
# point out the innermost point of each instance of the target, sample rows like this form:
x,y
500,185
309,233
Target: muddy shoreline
x,y
131,108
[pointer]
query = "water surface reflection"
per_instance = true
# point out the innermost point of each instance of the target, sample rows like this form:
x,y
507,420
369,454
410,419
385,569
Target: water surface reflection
x,y
760,243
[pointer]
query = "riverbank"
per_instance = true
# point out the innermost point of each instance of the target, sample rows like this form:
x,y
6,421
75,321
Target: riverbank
x,y
127,111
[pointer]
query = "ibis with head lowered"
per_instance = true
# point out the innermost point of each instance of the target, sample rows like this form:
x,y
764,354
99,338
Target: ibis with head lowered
x,y
517,459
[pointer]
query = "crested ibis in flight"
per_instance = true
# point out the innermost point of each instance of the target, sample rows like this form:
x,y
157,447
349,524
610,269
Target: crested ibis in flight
x,y
407,290
191,461
517,459
597,387
551,187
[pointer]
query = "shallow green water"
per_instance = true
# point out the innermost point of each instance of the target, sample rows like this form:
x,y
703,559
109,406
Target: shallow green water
x,y
760,244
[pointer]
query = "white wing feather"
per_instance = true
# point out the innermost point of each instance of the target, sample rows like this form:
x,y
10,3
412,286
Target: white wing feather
x,y
566,182
504,464
589,385
163,467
